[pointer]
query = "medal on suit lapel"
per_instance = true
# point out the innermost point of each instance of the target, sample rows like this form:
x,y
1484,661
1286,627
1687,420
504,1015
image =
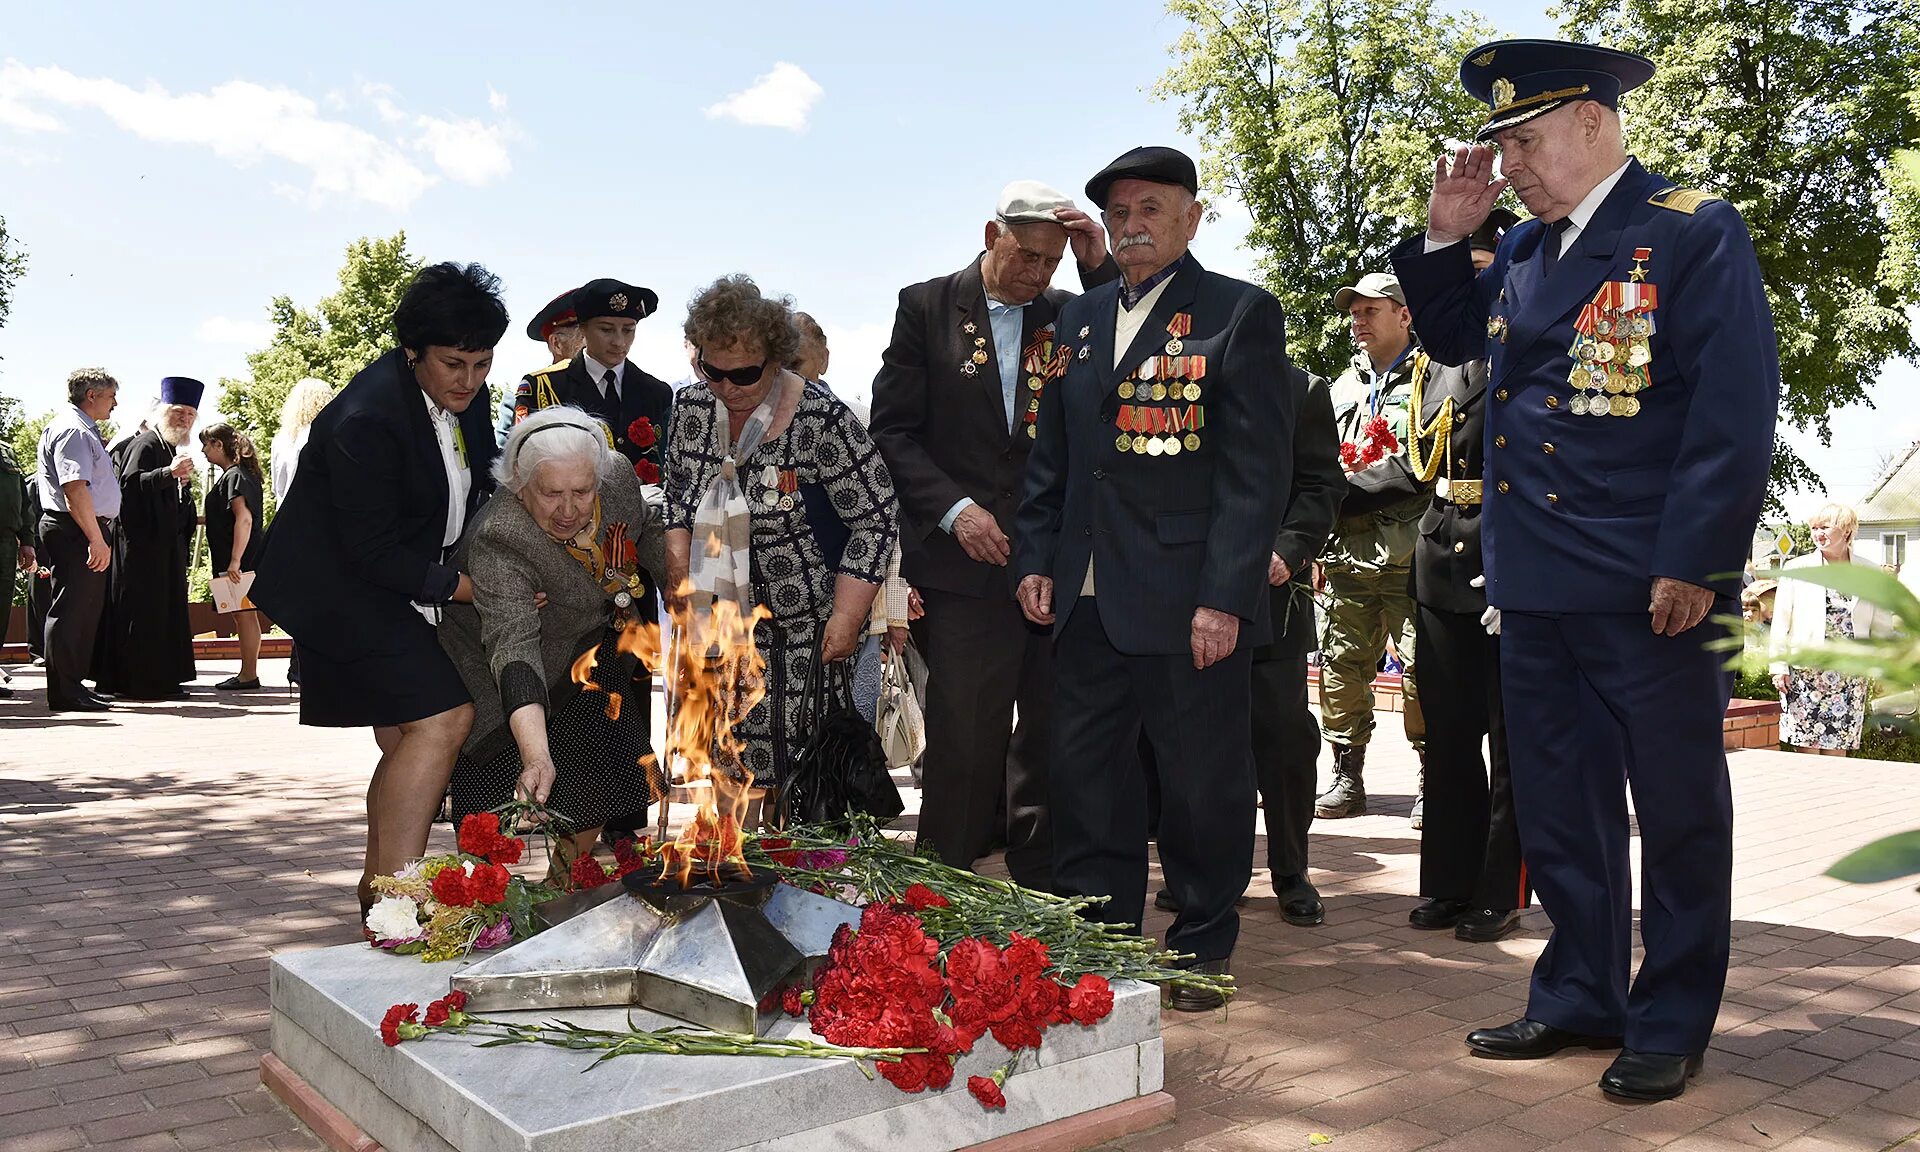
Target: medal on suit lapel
x,y
1611,350
1040,360
1179,326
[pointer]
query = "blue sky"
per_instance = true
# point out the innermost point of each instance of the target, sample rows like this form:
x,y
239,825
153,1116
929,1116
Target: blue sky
x,y
169,174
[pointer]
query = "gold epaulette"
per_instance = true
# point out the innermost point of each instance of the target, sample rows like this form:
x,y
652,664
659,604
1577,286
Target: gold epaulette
x,y
552,369
1681,200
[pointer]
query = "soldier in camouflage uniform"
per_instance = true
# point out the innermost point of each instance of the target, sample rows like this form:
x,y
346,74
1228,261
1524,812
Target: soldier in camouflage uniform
x,y
1368,563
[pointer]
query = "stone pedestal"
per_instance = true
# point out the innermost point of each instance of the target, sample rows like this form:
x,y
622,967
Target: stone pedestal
x,y
441,1093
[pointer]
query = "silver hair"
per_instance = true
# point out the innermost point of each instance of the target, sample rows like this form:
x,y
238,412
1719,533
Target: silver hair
x,y
157,420
567,433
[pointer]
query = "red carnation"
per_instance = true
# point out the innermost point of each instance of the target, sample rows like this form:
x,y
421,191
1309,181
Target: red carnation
x,y
1349,456
647,470
627,848
390,1026
457,1001
640,433
920,897
791,1002
1372,454
507,850
779,849
437,1013
1025,955
588,872
479,832
986,1091
1090,1000
489,884
451,888
1378,428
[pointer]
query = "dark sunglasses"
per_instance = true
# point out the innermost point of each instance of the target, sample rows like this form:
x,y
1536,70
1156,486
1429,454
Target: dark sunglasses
x,y
739,377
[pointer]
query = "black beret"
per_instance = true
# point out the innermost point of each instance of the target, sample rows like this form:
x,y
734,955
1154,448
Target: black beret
x,y
1152,162
557,314
597,298
1521,79
1487,236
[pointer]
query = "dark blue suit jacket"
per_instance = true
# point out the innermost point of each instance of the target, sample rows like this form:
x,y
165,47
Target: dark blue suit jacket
x,y
1170,533
358,541
1581,511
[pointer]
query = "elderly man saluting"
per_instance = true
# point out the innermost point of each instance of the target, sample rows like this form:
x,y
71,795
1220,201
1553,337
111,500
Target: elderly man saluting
x,y
1635,378
1162,459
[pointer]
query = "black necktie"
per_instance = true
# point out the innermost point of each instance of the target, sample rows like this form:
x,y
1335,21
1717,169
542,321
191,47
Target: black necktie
x,y
610,393
1556,232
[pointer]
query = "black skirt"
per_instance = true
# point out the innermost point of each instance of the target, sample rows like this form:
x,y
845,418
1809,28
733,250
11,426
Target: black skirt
x,y
597,750
383,689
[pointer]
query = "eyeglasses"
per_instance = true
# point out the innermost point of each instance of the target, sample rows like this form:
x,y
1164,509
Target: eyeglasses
x,y
739,377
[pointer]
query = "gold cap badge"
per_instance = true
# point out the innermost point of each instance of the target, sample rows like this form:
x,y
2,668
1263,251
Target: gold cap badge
x,y
1502,92
617,301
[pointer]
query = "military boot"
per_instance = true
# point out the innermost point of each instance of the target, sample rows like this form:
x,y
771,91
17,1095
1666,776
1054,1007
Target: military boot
x,y
1348,796
1418,816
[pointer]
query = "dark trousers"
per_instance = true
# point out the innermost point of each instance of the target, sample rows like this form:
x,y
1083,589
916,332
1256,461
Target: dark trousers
x,y
1198,723
1469,842
73,615
983,660
10,575
39,599
1600,704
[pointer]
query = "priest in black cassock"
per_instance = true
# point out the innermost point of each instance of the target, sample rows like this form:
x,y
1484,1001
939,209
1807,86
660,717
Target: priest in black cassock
x,y
147,648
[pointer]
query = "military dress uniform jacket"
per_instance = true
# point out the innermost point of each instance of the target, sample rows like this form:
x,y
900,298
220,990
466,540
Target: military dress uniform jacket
x,y
1167,531
939,419
640,395
1584,509
1446,558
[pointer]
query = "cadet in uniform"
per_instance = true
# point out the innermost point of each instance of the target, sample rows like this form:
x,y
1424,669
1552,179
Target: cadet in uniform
x,y
1159,469
1635,381
1369,559
1470,868
558,328
604,382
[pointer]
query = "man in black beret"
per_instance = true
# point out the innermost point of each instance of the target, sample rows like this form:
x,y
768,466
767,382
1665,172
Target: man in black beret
x,y
603,381
1159,469
559,329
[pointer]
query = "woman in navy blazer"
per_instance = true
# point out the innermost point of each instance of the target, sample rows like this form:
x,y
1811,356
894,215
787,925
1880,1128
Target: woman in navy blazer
x,y
355,565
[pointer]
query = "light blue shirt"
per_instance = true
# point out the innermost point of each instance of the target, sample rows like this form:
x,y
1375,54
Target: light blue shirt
x,y
1006,320
70,449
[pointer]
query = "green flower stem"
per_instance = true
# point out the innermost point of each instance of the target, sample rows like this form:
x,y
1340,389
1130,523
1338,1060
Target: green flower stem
x,y
660,1042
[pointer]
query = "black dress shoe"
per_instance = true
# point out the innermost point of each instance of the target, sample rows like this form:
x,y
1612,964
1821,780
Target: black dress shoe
x,y
1187,998
1530,1040
1438,914
102,697
1485,925
1300,903
1164,901
1649,1075
85,704
5,692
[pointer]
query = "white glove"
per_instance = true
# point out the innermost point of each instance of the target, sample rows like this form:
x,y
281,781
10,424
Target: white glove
x,y
1490,619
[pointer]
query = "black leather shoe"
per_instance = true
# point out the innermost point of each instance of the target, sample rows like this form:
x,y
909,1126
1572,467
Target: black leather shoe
x,y
1649,1075
1438,914
86,704
1300,903
1164,901
1485,925
1185,998
1530,1040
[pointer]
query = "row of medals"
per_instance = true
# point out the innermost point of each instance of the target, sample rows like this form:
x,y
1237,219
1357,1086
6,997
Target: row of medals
x,y
1138,388
773,497
1609,365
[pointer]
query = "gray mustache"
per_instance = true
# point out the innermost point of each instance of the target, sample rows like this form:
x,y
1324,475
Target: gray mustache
x,y
1131,241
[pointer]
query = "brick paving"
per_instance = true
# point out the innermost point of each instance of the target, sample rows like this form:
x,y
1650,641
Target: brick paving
x,y
152,860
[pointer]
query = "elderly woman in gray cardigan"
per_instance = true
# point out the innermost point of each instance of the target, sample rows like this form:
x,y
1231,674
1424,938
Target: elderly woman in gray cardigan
x,y
569,525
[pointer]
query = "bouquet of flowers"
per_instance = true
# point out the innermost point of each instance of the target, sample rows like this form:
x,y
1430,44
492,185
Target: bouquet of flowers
x,y
1381,443
441,907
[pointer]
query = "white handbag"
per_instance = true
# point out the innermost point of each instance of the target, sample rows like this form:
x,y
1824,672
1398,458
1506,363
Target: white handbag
x,y
898,718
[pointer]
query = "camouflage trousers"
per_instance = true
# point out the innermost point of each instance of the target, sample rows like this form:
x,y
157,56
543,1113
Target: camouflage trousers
x,y
1360,610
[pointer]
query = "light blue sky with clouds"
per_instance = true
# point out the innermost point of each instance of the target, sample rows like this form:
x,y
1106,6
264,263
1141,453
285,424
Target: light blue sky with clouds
x,y
171,168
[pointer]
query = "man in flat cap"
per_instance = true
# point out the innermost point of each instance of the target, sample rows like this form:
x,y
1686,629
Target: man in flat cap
x,y
603,381
954,409
1369,559
1635,381
1162,459
559,329
147,641
1470,869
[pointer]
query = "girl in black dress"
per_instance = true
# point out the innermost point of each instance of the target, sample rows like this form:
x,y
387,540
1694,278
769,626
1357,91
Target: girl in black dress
x,y
235,521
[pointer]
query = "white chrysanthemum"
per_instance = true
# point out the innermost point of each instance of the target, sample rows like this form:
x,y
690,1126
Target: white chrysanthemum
x,y
394,918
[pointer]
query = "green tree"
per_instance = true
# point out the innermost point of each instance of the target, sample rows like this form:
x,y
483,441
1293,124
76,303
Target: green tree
x,y
1795,111
13,265
341,335
1324,119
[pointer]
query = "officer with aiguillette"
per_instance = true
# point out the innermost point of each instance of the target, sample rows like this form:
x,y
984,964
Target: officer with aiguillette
x,y
559,329
1635,379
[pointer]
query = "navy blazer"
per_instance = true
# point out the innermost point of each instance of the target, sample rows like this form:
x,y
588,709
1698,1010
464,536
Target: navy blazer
x,y
1582,512
1166,533
357,542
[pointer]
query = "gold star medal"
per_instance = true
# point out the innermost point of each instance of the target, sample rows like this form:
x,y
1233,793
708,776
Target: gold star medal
x,y
1179,326
979,355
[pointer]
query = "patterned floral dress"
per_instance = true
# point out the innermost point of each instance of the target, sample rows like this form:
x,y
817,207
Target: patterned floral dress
x,y
1822,708
824,461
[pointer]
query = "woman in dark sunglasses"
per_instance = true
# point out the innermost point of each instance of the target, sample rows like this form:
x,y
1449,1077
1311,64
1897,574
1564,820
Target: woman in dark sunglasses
x,y
803,520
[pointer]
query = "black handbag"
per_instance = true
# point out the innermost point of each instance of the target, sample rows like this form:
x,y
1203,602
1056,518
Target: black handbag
x,y
840,769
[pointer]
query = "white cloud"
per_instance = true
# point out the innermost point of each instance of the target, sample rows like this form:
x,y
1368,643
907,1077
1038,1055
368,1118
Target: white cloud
x,y
496,100
247,123
227,330
780,99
